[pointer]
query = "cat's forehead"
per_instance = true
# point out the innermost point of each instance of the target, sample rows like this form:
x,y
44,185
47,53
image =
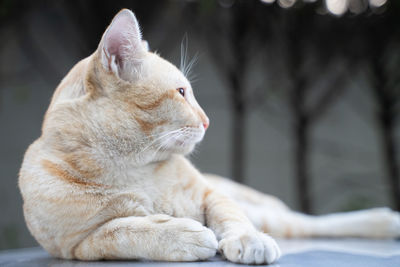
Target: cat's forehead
x,y
161,71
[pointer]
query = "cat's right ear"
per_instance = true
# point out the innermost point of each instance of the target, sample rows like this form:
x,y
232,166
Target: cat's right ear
x,y
121,47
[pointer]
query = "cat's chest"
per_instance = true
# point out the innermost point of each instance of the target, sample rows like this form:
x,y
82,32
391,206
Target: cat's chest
x,y
166,195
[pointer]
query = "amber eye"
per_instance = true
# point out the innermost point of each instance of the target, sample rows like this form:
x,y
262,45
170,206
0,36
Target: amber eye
x,y
181,91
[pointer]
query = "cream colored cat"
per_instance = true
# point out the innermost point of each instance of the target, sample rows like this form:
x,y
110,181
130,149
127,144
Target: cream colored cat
x,y
108,178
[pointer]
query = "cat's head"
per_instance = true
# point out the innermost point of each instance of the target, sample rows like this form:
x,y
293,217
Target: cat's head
x,y
132,102
152,93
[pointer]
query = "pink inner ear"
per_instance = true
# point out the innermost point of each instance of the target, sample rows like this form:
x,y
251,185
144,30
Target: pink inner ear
x,y
123,36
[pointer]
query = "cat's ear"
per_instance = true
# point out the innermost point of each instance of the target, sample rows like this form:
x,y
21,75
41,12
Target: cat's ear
x,y
122,50
146,45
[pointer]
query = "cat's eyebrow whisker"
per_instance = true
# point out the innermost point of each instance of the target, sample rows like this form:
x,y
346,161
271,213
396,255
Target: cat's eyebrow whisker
x,y
184,45
186,65
193,79
189,66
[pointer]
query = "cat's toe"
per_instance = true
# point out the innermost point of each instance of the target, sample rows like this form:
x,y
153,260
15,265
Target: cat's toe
x,y
272,250
200,244
206,244
190,241
254,248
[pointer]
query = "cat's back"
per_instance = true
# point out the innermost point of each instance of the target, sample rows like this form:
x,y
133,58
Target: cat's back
x,y
42,152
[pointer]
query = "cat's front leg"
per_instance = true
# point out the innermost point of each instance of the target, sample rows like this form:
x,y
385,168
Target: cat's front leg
x,y
155,237
239,240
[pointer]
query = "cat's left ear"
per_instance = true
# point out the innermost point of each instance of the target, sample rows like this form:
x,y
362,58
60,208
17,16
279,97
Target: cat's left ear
x,y
122,49
145,45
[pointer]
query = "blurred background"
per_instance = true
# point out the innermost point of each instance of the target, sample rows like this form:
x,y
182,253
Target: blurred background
x,y
303,95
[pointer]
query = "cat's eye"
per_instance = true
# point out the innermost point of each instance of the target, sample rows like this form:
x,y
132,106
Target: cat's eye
x,y
181,91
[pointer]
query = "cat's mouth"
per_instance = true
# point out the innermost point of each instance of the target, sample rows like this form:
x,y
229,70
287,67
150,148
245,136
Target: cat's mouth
x,y
188,136
181,140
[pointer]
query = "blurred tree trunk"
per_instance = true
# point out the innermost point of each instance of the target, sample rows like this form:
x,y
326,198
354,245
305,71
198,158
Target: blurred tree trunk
x,y
308,37
386,99
304,118
383,55
228,44
239,129
390,157
306,113
237,37
239,26
301,147
301,122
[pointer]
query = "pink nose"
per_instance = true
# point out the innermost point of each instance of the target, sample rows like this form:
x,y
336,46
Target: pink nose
x,y
205,120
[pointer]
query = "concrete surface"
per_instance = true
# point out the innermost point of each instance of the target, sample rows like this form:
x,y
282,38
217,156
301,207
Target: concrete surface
x,y
296,253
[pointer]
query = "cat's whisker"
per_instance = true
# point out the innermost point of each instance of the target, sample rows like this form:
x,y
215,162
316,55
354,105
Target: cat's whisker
x,y
189,66
154,141
163,144
176,136
184,45
162,135
185,64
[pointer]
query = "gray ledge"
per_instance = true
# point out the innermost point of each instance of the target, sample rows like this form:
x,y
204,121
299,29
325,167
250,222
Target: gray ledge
x,y
296,253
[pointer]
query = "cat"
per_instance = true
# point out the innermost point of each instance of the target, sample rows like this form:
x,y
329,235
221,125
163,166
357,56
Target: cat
x,y
108,178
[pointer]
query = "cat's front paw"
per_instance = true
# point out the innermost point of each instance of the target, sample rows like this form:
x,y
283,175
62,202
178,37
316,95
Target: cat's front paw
x,y
250,248
193,242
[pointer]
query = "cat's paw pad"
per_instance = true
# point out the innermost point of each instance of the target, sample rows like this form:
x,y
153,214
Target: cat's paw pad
x,y
255,248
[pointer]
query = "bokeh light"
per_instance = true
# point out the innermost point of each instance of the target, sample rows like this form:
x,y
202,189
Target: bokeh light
x,y
377,3
286,3
337,7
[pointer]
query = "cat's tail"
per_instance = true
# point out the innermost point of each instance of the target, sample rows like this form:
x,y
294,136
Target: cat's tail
x,y
272,216
371,223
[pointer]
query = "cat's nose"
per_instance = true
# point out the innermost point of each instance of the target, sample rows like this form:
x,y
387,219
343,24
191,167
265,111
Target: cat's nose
x,y
203,118
206,123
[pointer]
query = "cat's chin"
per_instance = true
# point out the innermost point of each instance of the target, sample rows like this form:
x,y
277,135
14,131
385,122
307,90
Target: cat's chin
x,y
186,144
183,149
165,154
188,149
